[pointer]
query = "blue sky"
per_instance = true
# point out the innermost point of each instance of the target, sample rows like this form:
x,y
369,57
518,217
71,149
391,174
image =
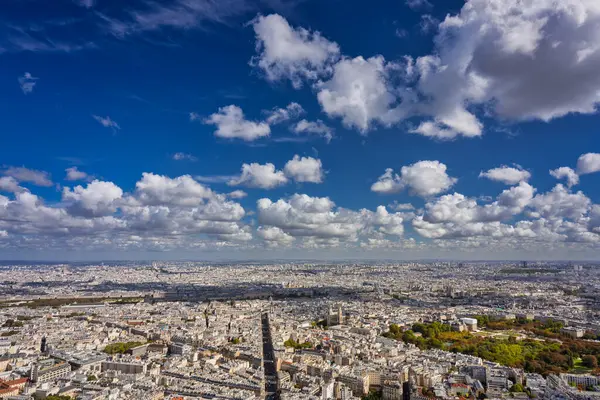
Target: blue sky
x,y
299,129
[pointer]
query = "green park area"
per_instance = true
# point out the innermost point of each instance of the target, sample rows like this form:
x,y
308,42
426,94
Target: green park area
x,y
543,351
121,348
297,345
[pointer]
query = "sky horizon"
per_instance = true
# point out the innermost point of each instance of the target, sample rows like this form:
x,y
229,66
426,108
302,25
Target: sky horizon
x,y
270,129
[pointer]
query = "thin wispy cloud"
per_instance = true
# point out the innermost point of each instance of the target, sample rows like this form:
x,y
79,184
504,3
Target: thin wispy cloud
x,y
178,14
214,178
27,82
428,23
73,160
36,39
86,3
419,4
184,157
107,122
291,139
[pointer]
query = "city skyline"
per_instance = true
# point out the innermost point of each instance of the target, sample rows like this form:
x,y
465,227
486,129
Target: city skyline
x,y
301,129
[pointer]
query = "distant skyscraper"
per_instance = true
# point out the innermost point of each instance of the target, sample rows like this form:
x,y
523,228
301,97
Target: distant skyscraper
x,y
43,347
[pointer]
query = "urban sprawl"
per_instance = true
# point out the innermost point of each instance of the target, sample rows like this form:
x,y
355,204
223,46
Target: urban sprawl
x,y
393,331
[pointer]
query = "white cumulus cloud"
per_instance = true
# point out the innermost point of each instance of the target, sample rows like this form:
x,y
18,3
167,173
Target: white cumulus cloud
x,y
423,178
97,199
237,194
305,169
359,93
566,173
506,175
588,163
74,174
292,53
259,176
231,124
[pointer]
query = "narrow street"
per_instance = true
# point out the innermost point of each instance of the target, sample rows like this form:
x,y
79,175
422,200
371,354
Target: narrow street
x,y
271,382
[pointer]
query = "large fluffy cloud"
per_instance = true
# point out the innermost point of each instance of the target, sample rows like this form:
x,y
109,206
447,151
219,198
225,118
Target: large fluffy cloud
x,y
259,176
266,176
160,210
97,199
231,124
359,93
588,163
518,60
423,178
517,218
305,169
155,189
317,219
525,59
457,208
292,53
164,213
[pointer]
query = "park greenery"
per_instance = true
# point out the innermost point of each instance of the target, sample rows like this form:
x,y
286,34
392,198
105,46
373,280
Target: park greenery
x,y
121,348
296,345
373,395
236,340
548,353
11,323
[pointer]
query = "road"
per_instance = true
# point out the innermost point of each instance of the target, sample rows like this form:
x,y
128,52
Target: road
x,y
271,380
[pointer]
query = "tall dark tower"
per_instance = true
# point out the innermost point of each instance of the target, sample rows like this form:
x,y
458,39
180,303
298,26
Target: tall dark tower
x,y
43,346
406,390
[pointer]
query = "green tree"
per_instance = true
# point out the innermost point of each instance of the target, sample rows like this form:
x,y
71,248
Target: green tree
x,y
589,361
516,388
373,395
395,329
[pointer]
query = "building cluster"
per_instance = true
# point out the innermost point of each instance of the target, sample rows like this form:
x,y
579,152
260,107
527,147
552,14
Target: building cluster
x,y
189,330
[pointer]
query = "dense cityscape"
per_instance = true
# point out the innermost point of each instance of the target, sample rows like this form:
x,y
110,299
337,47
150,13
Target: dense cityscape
x,y
300,200
411,330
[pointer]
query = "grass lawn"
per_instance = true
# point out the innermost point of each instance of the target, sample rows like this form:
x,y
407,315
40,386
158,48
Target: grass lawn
x,y
578,367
